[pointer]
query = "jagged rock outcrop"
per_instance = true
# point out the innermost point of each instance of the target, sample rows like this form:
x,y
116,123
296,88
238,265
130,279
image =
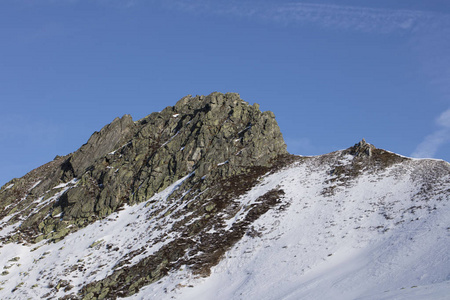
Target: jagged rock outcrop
x,y
362,149
214,137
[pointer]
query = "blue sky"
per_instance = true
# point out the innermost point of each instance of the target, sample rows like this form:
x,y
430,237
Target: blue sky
x,y
333,72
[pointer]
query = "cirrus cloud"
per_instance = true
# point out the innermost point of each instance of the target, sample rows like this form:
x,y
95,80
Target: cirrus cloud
x,y
430,145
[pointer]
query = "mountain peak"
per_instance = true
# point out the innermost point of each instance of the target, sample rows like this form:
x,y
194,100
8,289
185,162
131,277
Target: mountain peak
x,y
212,137
362,149
204,194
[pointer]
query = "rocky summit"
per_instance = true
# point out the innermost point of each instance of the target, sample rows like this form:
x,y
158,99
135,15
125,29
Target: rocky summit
x,y
202,201
213,138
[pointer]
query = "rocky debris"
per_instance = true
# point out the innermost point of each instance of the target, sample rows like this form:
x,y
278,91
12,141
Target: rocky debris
x,y
350,163
213,137
362,149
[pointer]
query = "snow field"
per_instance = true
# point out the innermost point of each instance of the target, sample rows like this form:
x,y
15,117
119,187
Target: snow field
x,y
374,236
363,241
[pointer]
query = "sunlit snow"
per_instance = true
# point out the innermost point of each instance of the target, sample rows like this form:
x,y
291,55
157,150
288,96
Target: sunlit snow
x,y
365,238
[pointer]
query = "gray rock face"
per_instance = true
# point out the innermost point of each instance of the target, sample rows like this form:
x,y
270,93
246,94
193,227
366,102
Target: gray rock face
x,y
111,137
213,137
362,149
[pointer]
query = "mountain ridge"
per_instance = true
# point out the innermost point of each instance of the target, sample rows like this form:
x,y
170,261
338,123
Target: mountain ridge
x,y
129,161
173,194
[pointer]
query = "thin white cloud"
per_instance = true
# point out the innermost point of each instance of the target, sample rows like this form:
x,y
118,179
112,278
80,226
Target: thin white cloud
x,y
114,3
444,119
347,17
119,3
326,15
431,144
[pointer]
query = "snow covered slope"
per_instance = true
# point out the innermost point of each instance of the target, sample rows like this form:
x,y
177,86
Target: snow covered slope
x,y
343,226
378,236
202,201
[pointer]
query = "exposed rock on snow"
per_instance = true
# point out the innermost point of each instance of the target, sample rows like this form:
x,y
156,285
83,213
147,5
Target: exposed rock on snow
x,y
362,149
231,215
